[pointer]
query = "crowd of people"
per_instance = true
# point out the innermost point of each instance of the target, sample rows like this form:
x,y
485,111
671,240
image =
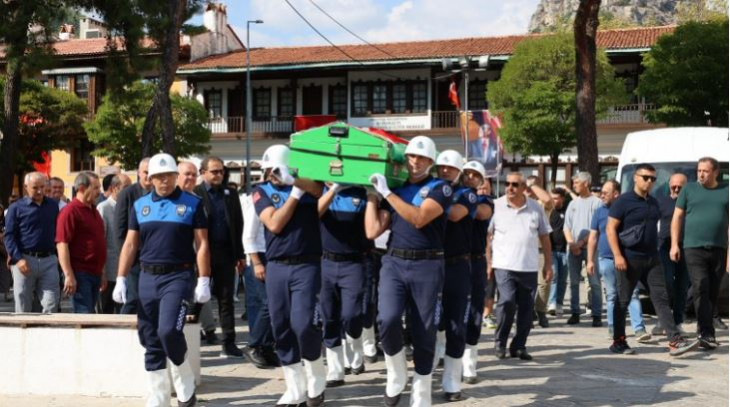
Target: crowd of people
x,y
410,273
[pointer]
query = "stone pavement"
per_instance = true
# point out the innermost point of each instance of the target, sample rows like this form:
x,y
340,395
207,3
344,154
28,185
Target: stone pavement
x,y
572,367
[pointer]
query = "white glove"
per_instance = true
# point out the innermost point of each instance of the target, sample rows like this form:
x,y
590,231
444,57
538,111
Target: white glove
x,y
202,290
297,193
120,290
380,184
282,173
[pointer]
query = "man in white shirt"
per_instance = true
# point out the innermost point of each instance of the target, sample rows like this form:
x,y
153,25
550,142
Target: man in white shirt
x,y
106,210
513,258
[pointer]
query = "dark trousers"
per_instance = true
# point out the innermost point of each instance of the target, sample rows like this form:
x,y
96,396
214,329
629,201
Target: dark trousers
x,y
261,335
455,301
651,273
516,295
292,292
706,267
223,271
163,304
478,291
677,280
370,299
87,293
417,285
341,299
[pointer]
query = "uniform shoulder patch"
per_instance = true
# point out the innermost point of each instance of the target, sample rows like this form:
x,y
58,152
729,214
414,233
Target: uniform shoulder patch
x,y
423,192
472,197
447,190
275,198
256,196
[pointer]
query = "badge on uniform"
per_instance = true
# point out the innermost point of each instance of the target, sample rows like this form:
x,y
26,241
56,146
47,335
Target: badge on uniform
x,y
472,197
423,192
275,198
145,210
356,201
181,209
226,192
447,190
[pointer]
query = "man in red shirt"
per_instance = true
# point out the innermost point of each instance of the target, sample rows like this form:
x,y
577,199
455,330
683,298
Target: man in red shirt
x,y
81,245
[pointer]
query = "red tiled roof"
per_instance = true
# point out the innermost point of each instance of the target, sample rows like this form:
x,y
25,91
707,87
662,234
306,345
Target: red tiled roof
x,y
643,37
86,47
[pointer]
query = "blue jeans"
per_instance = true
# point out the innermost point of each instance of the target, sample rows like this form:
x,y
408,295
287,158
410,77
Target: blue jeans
x,y
130,307
560,278
677,278
575,265
255,296
87,293
608,272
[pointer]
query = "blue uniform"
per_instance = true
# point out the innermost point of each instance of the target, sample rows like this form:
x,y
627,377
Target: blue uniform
x,y
292,275
478,273
457,284
412,274
166,229
343,265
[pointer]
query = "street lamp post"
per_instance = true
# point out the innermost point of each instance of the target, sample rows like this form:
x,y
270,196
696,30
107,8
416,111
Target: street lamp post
x,y
248,102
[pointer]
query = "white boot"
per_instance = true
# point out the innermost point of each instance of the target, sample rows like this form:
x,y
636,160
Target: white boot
x,y
440,350
335,364
369,347
451,379
159,388
354,353
421,391
397,376
296,385
183,379
316,373
470,363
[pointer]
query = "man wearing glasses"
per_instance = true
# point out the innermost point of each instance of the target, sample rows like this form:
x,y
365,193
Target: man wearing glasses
x,y
513,259
675,274
632,235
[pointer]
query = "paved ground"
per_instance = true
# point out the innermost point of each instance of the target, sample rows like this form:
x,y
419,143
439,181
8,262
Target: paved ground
x,y
572,367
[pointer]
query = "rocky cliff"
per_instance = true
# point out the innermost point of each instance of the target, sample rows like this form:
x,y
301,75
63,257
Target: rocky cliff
x,y
556,14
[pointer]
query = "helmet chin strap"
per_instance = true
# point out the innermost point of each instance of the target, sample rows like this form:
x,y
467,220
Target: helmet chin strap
x,y
423,174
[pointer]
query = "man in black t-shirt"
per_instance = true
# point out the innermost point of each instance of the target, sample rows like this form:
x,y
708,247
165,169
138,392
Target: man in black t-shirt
x,y
560,255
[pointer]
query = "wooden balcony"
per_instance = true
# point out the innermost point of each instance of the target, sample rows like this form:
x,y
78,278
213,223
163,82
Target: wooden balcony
x,y
235,126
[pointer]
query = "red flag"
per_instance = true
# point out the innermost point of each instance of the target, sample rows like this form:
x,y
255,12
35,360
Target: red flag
x,y
454,95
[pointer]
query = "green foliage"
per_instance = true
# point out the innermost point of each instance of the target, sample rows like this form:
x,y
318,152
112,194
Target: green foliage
x,y
117,128
686,75
536,94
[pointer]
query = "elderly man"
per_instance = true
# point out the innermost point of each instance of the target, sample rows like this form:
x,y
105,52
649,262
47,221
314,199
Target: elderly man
x,y
81,245
517,226
704,207
577,229
125,200
106,210
30,229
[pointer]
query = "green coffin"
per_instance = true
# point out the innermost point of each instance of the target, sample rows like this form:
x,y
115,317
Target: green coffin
x,y
345,154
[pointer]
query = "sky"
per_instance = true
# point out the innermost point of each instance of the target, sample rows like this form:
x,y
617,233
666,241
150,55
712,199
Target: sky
x,y
376,20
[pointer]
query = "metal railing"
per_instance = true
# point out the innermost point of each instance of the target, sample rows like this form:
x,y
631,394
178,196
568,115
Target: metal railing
x,y
627,114
237,124
445,120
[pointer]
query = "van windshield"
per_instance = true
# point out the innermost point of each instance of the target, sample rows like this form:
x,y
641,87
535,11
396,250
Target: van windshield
x,y
663,172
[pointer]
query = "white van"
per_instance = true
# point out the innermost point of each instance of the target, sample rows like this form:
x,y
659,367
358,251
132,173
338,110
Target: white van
x,y
672,150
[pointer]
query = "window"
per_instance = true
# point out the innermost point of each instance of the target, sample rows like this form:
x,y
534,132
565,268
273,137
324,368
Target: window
x,y
478,95
82,86
214,103
360,100
380,98
420,97
262,104
338,101
81,157
400,98
286,102
63,82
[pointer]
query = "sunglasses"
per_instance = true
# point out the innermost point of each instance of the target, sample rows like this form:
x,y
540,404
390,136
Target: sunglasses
x,y
216,172
676,188
512,184
648,178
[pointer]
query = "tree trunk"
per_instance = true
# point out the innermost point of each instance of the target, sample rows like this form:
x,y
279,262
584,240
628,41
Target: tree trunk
x,y
9,148
585,27
554,168
162,107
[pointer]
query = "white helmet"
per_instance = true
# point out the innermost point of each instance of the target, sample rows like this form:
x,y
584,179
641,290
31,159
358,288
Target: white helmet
x,y
275,156
422,146
451,158
476,166
162,163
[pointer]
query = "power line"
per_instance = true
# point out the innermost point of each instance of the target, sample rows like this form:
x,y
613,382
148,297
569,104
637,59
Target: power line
x,y
333,44
348,30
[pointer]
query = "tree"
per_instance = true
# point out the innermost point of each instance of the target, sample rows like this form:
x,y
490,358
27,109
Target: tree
x,y
585,27
536,94
686,75
117,128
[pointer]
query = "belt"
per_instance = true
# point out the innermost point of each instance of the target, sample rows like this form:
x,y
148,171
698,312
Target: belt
x,y
457,259
158,269
417,254
339,258
39,254
292,260
478,256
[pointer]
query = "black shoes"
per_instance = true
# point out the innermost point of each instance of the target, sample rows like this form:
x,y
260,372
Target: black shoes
x,y
231,351
358,370
500,352
574,319
270,355
542,320
521,354
256,356
189,403
621,347
452,396
334,383
209,337
597,322
371,359
391,401
708,342
315,401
